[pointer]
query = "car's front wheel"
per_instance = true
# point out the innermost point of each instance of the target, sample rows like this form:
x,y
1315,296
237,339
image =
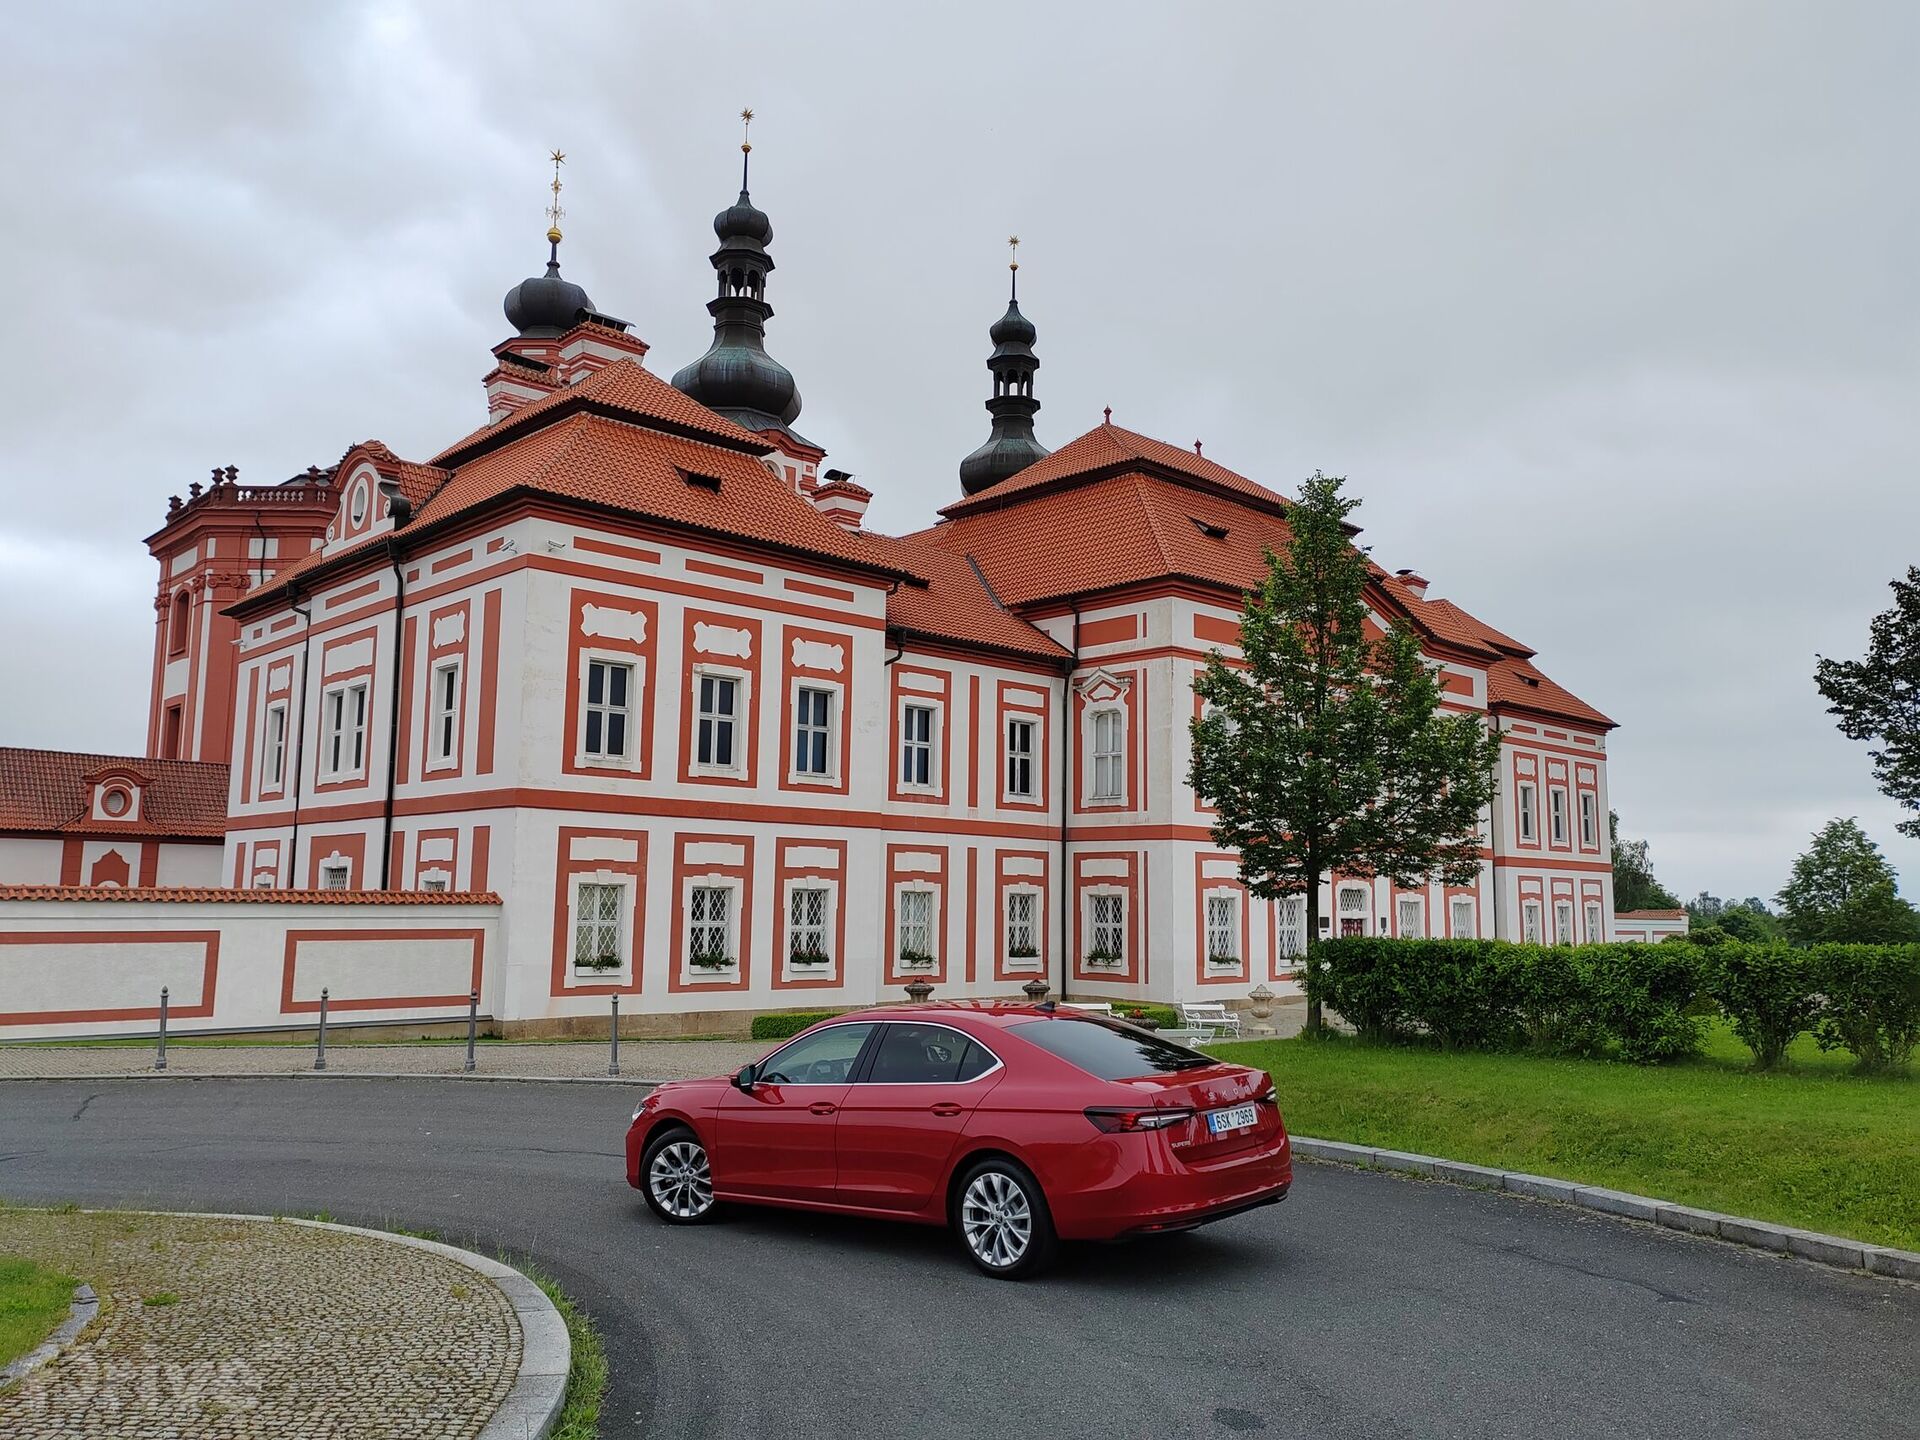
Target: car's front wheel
x,y
678,1180
1002,1218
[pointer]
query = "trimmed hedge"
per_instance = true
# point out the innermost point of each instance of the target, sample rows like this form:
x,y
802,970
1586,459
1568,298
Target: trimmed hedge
x,y
1643,1003
779,1027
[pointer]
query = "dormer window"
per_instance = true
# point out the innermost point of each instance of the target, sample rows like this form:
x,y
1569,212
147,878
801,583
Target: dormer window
x,y
700,481
1213,530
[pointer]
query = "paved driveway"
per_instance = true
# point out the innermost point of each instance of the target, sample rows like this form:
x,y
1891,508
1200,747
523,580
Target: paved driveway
x,y
1367,1305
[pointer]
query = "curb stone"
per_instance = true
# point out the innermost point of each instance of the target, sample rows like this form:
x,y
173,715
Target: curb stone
x,y
546,1351
1832,1250
80,1314
341,1075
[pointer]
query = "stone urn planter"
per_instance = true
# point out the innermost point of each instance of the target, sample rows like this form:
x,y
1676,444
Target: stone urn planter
x,y
1262,999
1036,989
918,989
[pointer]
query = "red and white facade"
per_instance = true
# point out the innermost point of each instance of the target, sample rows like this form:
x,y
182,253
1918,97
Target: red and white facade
x,y
635,682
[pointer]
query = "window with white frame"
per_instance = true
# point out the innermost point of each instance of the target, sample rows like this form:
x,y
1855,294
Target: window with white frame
x,y
1463,926
1108,930
1530,921
1594,932
1557,814
813,732
1109,754
1290,916
916,745
1589,820
717,726
710,924
336,875
1529,821
1413,917
434,885
1020,736
1353,910
1223,927
914,943
1022,939
807,925
598,926
607,716
1563,922
273,747
343,732
445,732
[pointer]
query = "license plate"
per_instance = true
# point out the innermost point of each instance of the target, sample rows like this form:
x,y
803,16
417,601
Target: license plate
x,y
1240,1117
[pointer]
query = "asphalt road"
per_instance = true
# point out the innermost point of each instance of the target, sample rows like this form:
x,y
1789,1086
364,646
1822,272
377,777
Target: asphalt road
x,y
1367,1305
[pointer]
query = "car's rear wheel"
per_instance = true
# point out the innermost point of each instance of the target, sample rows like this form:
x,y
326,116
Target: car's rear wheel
x,y
679,1182
1002,1218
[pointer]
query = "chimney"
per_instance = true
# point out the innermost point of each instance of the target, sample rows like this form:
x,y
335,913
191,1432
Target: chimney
x,y
840,500
1414,585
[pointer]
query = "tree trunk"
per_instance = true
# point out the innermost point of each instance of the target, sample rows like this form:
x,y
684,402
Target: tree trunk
x,y
1315,1024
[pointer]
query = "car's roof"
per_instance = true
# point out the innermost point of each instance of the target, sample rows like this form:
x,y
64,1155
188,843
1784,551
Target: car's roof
x,y
988,1012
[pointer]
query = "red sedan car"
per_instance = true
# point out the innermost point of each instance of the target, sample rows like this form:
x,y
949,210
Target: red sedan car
x,y
1017,1125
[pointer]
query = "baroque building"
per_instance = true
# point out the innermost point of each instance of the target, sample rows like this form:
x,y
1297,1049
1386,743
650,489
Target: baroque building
x,y
621,681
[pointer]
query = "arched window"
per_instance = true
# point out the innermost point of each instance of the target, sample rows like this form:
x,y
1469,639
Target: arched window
x,y
178,621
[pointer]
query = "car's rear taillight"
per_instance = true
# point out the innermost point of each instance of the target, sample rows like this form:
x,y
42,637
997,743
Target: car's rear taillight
x,y
1117,1119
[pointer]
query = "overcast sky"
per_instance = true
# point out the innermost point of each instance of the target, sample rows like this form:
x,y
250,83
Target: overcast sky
x,y
1612,317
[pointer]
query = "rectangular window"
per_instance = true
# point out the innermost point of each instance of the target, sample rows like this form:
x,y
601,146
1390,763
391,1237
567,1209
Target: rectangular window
x,y
1412,918
1223,928
596,925
171,732
607,715
445,730
273,748
1108,755
1557,814
1594,932
916,745
717,740
344,729
916,927
1528,818
1020,735
1563,922
812,732
1589,820
1020,927
1290,915
1463,926
1530,921
1109,928
433,886
708,919
336,875
807,925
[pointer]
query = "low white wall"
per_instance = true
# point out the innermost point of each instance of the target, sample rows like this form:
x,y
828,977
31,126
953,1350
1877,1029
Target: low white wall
x,y
87,966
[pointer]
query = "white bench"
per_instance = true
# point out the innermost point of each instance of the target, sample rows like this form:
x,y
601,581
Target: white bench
x,y
1092,1007
1209,1021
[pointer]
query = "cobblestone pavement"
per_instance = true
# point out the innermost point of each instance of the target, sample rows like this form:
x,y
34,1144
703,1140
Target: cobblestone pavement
x,y
639,1059
228,1328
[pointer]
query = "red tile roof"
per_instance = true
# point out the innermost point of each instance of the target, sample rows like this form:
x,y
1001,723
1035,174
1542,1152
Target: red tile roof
x,y
187,894
47,791
953,603
1518,683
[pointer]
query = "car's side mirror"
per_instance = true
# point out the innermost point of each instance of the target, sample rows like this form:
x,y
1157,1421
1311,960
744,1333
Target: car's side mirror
x,y
745,1076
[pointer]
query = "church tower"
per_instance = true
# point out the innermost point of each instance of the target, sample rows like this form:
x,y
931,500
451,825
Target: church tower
x,y
1011,446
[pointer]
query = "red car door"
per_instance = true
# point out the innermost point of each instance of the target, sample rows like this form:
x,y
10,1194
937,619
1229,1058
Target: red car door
x,y
901,1120
774,1140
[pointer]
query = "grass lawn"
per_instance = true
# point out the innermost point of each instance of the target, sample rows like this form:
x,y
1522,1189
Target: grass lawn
x,y
1815,1146
32,1302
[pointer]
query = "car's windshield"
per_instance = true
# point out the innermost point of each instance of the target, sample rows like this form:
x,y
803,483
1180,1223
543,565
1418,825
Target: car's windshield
x,y
1107,1051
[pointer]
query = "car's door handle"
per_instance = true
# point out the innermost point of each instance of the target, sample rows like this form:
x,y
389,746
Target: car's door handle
x,y
946,1107
823,1107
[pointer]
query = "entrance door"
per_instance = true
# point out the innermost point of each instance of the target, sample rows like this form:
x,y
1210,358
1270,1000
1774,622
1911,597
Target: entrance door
x,y
776,1139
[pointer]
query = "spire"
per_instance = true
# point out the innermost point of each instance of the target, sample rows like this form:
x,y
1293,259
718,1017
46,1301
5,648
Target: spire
x,y
736,377
1011,445
546,305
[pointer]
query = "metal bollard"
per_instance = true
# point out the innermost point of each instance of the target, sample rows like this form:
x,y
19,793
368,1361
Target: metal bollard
x,y
473,1021
613,1055
160,1053
320,1046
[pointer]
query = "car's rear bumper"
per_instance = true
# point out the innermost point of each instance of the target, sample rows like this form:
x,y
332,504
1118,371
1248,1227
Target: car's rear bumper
x,y
1162,1194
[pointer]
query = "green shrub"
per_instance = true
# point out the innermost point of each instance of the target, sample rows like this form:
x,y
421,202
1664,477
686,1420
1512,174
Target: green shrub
x,y
1644,996
1551,990
1872,1002
1365,978
1461,992
1165,1016
1770,993
779,1027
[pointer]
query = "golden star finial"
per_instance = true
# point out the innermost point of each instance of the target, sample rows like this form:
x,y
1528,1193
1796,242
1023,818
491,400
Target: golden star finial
x,y
554,212
746,128
1013,244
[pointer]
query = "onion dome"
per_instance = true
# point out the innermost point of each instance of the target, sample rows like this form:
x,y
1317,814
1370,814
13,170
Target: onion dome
x,y
1011,445
546,305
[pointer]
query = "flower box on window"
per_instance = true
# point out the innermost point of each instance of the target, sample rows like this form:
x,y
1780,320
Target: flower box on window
x,y
809,957
1022,952
915,960
710,960
1224,960
604,961
1103,959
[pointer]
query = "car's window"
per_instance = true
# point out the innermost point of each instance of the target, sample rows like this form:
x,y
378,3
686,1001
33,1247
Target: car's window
x,y
915,1054
1109,1052
824,1057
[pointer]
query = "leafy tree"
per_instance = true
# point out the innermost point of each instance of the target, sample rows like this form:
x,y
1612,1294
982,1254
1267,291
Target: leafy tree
x,y
1329,750
1634,887
1842,890
1748,919
1878,697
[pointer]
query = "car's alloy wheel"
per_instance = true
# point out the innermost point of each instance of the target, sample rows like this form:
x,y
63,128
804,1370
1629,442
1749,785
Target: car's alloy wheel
x,y
1003,1220
679,1181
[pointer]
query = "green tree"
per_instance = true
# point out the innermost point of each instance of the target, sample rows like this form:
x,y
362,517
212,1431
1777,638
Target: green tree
x,y
1634,887
1878,697
1747,919
1842,890
1328,750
